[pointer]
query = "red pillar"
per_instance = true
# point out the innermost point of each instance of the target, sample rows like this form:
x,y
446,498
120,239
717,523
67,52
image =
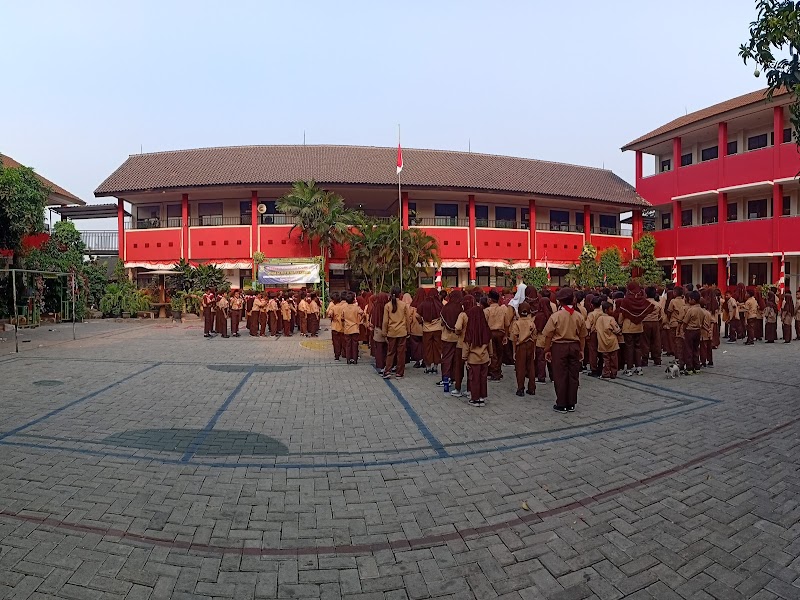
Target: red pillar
x,y
185,225
676,153
722,273
254,220
404,200
473,272
637,225
587,224
638,166
121,228
532,230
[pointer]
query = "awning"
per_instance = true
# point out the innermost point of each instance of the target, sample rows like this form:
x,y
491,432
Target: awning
x,y
231,264
503,264
455,264
90,211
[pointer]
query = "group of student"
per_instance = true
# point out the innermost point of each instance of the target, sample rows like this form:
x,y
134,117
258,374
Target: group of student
x,y
281,312
749,316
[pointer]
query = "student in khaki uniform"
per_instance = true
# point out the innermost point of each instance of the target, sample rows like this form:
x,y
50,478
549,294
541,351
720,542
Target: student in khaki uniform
x,y
461,329
523,335
271,314
706,336
732,308
565,340
334,313
302,314
477,353
288,311
396,317
608,332
313,310
222,306
592,341
352,318
634,307
449,318
255,313
675,311
415,332
691,324
207,303
237,304
787,312
375,325
751,315
496,317
540,319
770,319
430,313
651,334
797,316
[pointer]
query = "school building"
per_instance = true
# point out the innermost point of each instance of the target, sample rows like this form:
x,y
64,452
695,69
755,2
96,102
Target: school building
x,y
724,184
217,205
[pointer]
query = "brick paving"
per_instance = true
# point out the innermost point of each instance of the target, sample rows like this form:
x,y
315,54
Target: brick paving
x,y
143,461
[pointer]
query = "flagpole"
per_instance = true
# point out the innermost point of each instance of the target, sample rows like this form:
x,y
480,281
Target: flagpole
x,y
400,208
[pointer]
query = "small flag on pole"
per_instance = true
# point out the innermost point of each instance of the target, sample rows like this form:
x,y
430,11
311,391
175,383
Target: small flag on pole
x,y
605,279
675,271
547,267
782,278
728,271
399,159
438,279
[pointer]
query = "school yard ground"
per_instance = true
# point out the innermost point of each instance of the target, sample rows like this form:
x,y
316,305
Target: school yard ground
x,y
143,461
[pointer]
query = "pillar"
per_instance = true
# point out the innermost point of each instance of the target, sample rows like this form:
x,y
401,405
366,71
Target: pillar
x,y
121,228
532,230
678,276
676,223
255,238
473,272
638,167
722,222
404,202
722,273
777,211
676,153
777,127
637,225
185,226
587,224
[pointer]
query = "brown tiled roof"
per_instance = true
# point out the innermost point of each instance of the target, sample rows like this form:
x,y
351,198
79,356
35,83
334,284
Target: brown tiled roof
x,y
752,98
365,165
58,196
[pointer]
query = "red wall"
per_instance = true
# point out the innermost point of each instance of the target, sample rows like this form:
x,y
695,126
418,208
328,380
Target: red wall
x,y
453,241
701,176
698,241
155,245
657,189
790,161
790,234
624,243
559,247
502,244
276,243
219,242
748,167
748,237
665,242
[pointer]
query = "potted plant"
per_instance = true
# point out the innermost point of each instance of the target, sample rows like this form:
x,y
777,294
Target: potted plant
x,y
178,306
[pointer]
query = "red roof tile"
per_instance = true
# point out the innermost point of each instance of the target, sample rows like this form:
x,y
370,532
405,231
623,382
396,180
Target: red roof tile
x,y
58,196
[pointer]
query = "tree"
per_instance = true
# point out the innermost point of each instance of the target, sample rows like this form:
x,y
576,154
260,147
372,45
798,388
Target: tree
x,y
586,272
611,271
535,277
649,271
319,215
23,198
773,46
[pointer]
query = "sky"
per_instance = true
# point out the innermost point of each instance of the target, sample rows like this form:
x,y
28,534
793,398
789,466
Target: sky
x,y
85,84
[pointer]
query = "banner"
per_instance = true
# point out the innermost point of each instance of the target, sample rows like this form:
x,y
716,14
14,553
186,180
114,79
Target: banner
x,y
283,274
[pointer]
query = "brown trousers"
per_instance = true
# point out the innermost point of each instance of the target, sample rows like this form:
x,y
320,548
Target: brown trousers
x,y
508,354
496,361
770,332
668,341
692,349
415,347
396,355
567,369
543,368
302,319
379,352
287,327
787,333
208,320
254,322
273,323
679,346
610,364
592,353
236,317
525,365
432,348
751,330
448,359
759,329
312,324
458,370
633,350
706,352
715,336
338,343
222,323
476,381
651,342
351,346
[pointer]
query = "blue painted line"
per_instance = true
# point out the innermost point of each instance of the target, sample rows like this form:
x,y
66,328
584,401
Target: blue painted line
x,y
669,390
56,411
201,437
423,429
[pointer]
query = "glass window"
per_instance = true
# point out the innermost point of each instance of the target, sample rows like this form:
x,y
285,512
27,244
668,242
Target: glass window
x,y
757,209
483,276
148,216
787,135
525,217
686,160
481,216
787,206
686,274
174,215
757,141
666,220
559,220
734,276
709,153
608,224
245,213
733,211
210,213
733,147
708,214
445,214
666,165
449,278
687,217
412,214
708,274
757,273
579,222
505,216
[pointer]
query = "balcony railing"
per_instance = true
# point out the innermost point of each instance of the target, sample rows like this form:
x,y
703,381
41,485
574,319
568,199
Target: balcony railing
x,y
154,223
606,230
559,227
439,222
101,242
501,224
272,219
216,221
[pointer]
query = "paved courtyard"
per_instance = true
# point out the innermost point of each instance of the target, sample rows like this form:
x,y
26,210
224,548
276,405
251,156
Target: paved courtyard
x,y
144,461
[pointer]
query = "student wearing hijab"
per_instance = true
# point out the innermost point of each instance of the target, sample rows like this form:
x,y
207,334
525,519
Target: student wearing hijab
x,y
313,310
497,318
651,334
396,318
415,332
787,313
334,313
430,311
770,319
477,353
762,305
449,319
675,311
751,315
540,319
461,328
352,318
523,336
632,310
379,346
608,330
706,335
691,324
593,351
565,340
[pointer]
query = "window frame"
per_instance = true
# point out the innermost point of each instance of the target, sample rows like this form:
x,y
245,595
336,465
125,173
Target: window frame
x,y
752,147
703,210
684,212
687,159
760,202
704,158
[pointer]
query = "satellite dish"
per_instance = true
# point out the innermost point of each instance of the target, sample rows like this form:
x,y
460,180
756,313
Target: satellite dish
x,y
262,208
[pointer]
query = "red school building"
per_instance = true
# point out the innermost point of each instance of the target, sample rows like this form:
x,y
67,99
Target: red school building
x,y
485,211
724,184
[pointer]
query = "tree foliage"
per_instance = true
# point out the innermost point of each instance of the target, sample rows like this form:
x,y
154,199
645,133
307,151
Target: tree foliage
x,y
645,263
535,277
773,46
199,278
586,273
611,270
23,198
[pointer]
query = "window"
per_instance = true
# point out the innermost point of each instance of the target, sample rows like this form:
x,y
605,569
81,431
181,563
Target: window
x,y
708,274
525,217
666,165
481,216
787,206
757,209
787,135
608,224
174,215
733,211
505,216
579,222
709,153
757,141
734,274
245,216
559,220
666,220
445,214
687,217
449,278
483,276
148,216
412,214
757,273
686,274
733,147
686,160
709,214
210,213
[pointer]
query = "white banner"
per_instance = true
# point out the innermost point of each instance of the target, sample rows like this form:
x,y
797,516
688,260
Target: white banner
x,y
271,274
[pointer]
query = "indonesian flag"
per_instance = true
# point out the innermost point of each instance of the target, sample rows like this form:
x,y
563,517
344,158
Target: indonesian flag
x,y
782,278
438,279
547,266
399,159
675,271
728,271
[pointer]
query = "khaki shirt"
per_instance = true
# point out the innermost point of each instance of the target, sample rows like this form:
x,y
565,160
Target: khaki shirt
x,y
733,309
335,315
676,310
461,328
435,325
751,308
223,303
693,318
416,326
449,335
565,327
496,317
312,308
302,306
523,330
477,355
287,308
352,316
607,329
629,326
656,315
237,303
395,324
272,305
708,326
591,319
259,304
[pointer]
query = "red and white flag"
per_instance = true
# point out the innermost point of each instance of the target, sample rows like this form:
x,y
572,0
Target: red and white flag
x,y
399,159
675,271
438,279
782,278
547,267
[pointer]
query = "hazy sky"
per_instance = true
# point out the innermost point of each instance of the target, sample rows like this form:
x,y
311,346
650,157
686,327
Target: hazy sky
x,y
85,84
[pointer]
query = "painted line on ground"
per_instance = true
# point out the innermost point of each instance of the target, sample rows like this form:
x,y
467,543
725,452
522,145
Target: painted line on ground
x,y
201,437
56,411
417,420
407,544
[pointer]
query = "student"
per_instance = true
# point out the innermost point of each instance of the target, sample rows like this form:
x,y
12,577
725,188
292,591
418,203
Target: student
x,y
477,353
272,315
651,333
787,313
255,313
540,319
751,315
334,313
237,304
288,311
707,335
313,310
496,317
376,327
302,314
449,319
222,306
415,333
675,311
207,303
430,313
523,336
352,316
592,341
461,328
607,331
797,316
770,319
691,324
394,326
733,317
632,310
762,305
565,339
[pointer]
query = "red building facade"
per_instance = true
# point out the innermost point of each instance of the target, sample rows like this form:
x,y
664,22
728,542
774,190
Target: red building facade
x,y
487,212
724,184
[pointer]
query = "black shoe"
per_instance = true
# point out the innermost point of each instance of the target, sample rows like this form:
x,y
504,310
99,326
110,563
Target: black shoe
x,y
207,335
521,393
530,393
561,409
418,365
440,383
541,380
570,409
478,402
